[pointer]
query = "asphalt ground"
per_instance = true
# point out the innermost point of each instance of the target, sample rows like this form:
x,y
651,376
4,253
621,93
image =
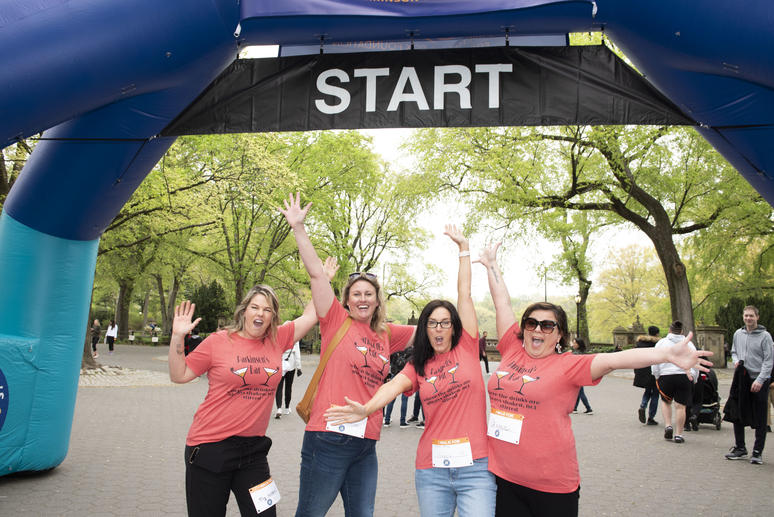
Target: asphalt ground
x,y
130,423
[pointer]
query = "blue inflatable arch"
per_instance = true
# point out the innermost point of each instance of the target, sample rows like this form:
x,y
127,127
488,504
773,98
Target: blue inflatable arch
x,y
102,79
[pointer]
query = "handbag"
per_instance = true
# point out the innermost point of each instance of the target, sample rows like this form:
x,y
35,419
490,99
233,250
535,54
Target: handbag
x,y
304,408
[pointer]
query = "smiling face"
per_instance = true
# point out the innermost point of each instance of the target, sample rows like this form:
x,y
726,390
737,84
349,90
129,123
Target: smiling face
x,y
750,319
362,301
538,344
440,338
257,318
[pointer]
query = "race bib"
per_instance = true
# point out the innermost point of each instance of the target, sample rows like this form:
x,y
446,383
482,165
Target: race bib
x,y
265,495
452,453
356,429
505,426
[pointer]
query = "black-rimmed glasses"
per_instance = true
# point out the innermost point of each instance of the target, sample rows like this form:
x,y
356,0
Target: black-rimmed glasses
x,y
358,274
546,326
445,324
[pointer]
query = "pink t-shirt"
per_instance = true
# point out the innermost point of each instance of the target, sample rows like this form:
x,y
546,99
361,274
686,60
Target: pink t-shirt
x,y
243,375
357,367
543,391
453,400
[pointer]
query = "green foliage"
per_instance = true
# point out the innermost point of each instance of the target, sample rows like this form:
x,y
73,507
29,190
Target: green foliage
x,y
211,305
729,316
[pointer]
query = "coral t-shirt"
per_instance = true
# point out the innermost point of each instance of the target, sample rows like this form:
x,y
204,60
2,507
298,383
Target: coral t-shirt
x,y
243,375
357,368
543,392
453,400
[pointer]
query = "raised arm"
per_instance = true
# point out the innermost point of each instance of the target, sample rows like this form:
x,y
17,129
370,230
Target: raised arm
x,y
354,411
305,322
504,317
322,292
181,326
681,355
464,300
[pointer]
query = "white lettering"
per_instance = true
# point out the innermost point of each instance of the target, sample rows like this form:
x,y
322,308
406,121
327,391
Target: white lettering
x,y
460,88
371,74
408,74
494,80
327,89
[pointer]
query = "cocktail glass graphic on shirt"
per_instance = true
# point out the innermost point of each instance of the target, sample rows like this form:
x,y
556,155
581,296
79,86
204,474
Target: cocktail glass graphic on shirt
x,y
269,373
241,374
499,374
432,380
525,379
363,350
384,361
451,371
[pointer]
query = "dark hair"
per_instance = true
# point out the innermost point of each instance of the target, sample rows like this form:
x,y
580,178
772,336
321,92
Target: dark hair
x,y
559,314
581,344
653,330
676,327
423,350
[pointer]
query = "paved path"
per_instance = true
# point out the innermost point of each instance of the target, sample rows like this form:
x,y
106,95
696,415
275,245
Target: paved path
x,y
126,455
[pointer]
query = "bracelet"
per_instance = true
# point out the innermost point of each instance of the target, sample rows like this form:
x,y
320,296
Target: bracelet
x,y
464,254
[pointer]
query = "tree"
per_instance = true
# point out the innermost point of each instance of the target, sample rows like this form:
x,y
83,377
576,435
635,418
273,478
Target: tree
x,y
211,305
12,160
729,316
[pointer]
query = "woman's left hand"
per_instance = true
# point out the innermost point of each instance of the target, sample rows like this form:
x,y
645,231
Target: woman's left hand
x,y
331,266
352,412
686,358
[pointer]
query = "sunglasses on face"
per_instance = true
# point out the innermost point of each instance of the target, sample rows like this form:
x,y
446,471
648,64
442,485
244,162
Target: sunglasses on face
x,y
358,274
546,326
445,324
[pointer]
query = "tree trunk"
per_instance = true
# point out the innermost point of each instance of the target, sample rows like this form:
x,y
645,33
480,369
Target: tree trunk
x,y
145,304
125,289
677,281
583,289
167,303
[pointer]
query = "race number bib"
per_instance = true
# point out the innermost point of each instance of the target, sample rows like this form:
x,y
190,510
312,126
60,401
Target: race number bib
x,y
356,429
505,426
453,453
265,495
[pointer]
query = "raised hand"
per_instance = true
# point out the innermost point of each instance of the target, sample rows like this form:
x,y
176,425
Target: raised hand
x,y
331,266
352,412
183,324
456,235
686,358
294,213
488,256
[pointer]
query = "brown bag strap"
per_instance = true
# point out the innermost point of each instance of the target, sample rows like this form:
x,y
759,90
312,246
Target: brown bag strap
x,y
311,390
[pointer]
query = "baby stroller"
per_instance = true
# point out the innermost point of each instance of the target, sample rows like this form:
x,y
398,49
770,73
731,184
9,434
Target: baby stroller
x,y
705,407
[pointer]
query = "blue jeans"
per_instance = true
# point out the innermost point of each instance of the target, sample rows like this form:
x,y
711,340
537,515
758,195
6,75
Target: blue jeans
x,y
582,398
333,463
650,394
403,407
471,490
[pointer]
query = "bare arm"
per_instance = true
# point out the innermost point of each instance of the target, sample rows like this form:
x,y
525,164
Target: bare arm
x,y
322,292
305,322
181,326
354,411
504,317
680,354
465,305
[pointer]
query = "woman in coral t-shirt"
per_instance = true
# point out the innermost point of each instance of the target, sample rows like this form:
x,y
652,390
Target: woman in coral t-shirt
x,y
342,459
531,393
451,465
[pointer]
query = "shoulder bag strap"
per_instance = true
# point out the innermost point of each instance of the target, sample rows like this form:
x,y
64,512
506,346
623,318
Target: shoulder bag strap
x,y
311,390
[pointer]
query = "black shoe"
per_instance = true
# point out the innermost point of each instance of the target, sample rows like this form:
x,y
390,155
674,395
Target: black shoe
x,y
736,454
652,422
756,458
668,433
412,419
687,428
641,414
403,425
679,439
421,425
768,427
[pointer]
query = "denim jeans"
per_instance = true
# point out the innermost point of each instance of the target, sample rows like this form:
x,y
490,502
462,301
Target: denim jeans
x,y
651,394
403,407
333,463
471,490
582,398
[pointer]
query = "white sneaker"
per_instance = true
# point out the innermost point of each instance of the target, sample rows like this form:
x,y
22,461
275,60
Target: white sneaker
x,y
286,411
278,413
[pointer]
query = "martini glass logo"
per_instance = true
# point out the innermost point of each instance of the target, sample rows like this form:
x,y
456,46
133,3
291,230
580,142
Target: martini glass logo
x,y
241,374
432,380
499,374
384,361
452,371
363,350
525,379
269,373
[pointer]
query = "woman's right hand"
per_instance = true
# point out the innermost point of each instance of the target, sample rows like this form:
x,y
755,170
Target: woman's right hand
x,y
182,325
488,255
294,213
351,413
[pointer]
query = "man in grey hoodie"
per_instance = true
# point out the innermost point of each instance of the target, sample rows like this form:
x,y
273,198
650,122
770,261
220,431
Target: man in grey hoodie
x,y
754,348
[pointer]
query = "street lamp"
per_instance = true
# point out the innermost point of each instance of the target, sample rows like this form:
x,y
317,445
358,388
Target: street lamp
x,y
577,314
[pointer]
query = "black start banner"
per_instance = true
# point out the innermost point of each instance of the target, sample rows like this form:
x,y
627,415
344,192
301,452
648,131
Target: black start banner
x,y
502,86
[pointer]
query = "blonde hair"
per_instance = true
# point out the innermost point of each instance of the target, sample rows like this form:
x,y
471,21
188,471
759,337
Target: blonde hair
x,y
239,314
378,319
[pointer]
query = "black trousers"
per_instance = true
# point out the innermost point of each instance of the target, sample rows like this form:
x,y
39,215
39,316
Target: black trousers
x,y
761,400
287,381
519,501
213,470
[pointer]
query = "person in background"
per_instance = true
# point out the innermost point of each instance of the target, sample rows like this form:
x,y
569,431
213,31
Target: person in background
x,y
397,362
192,340
110,335
95,331
643,378
482,351
579,348
291,367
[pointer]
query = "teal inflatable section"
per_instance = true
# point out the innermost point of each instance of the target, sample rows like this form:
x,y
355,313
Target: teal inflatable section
x,y
42,330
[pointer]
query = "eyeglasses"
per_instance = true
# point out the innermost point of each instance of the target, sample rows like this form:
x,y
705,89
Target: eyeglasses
x,y
546,326
445,324
358,274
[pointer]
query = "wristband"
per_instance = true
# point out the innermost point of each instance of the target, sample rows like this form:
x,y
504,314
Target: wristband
x,y
464,254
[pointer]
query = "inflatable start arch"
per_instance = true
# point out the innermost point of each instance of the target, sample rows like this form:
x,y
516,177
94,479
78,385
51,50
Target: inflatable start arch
x,y
104,79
